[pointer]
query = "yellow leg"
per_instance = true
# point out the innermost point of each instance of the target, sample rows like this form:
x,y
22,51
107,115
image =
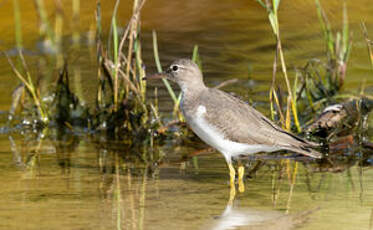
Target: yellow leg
x,y
232,195
232,174
241,172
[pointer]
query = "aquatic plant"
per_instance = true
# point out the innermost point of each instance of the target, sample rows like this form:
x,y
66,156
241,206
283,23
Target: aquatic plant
x,y
31,88
175,99
121,106
320,80
51,38
272,10
317,84
122,110
321,84
369,43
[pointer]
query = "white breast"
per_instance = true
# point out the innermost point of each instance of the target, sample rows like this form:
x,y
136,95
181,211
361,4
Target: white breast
x,y
211,135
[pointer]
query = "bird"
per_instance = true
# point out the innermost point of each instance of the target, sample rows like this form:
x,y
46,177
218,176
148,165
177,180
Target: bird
x,y
227,123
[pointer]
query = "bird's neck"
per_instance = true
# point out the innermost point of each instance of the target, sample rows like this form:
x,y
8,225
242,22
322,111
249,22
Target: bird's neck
x,y
191,94
192,89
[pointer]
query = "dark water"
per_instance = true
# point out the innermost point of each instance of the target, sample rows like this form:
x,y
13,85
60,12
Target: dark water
x,y
74,182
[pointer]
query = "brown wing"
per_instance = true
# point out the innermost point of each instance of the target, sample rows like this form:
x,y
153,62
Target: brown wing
x,y
244,124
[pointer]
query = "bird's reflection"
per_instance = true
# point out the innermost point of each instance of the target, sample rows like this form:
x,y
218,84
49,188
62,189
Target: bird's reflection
x,y
235,217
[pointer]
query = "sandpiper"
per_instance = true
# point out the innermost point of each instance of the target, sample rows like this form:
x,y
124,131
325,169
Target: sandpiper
x,y
227,123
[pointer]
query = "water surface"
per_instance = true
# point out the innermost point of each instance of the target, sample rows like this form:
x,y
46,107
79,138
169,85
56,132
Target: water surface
x,y
74,182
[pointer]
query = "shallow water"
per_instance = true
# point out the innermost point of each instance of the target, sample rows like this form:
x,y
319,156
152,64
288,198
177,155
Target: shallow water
x,y
85,187
74,182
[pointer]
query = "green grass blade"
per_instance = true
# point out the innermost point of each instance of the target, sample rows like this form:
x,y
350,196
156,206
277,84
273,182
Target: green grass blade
x,y
325,26
196,58
113,17
159,68
17,24
155,50
262,4
345,33
275,3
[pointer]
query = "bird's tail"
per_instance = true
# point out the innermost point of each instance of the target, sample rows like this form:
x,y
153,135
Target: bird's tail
x,y
306,149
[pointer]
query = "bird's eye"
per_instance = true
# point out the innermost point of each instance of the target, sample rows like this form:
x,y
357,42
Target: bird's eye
x,y
174,68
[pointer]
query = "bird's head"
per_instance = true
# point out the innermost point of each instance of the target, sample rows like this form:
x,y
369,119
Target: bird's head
x,y
182,71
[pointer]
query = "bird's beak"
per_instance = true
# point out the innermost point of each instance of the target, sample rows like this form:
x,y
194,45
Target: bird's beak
x,y
155,76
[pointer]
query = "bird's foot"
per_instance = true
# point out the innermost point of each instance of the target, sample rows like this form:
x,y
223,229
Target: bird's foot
x,y
241,184
232,195
232,175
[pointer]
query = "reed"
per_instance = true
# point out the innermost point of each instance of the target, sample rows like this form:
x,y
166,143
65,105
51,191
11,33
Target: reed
x,y
76,38
17,24
121,103
121,106
115,70
30,86
45,29
321,82
272,10
338,48
58,26
76,21
99,58
316,80
159,67
368,42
